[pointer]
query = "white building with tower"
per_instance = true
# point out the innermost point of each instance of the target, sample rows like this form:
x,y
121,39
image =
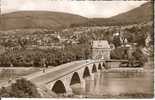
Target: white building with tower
x,y
101,49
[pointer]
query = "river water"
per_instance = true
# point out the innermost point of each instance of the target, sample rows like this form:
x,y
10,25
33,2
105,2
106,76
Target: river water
x,y
117,85
107,85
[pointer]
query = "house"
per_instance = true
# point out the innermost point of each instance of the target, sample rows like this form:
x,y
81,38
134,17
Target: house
x,y
101,49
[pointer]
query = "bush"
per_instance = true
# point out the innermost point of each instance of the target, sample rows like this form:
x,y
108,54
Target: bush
x,y
21,89
4,92
139,56
118,53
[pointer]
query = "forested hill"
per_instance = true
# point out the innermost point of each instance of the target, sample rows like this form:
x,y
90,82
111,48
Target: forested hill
x,y
141,14
144,13
39,19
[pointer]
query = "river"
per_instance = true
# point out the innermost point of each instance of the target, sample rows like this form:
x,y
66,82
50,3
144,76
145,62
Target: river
x,y
117,85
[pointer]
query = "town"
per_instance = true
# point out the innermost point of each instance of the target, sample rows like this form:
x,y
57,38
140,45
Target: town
x,y
119,40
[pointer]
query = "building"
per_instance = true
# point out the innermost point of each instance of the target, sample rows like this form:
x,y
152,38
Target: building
x,y
101,49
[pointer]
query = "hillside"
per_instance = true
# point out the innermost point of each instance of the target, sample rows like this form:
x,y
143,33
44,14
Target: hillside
x,y
144,13
141,14
39,19
57,20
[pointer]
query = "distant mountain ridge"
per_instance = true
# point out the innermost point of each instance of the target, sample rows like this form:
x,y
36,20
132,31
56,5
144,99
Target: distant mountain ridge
x,y
141,14
39,19
56,20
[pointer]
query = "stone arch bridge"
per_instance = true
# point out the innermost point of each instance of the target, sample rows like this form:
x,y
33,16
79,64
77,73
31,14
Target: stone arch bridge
x,y
60,79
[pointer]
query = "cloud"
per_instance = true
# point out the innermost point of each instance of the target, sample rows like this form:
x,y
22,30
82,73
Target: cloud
x,y
83,8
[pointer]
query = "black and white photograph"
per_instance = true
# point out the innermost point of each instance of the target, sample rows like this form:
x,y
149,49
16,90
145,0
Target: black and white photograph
x,y
77,49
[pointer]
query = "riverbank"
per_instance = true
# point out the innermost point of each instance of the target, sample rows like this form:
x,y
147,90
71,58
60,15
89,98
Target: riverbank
x,y
120,96
124,70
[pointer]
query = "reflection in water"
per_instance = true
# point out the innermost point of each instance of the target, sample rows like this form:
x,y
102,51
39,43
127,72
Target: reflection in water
x,y
106,85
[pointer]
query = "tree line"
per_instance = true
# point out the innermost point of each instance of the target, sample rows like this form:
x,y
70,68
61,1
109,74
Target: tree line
x,y
44,57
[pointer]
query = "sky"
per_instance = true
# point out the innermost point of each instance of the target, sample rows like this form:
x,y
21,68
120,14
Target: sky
x,y
90,9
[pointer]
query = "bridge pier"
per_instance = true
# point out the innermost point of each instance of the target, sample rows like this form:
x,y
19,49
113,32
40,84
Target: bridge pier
x,y
83,84
68,90
92,76
66,81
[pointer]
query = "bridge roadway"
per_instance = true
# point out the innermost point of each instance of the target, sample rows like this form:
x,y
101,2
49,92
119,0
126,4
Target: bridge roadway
x,y
56,73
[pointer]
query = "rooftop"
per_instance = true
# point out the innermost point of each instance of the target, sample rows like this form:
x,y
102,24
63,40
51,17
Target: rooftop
x,y
102,44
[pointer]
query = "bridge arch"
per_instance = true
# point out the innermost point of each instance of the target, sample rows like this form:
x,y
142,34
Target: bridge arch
x,y
94,68
86,72
99,66
75,78
59,87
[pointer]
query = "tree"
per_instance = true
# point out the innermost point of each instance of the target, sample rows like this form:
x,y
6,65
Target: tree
x,y
140,38
83,39
139,56
4,92
116,41
22,42
22,88
117,53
